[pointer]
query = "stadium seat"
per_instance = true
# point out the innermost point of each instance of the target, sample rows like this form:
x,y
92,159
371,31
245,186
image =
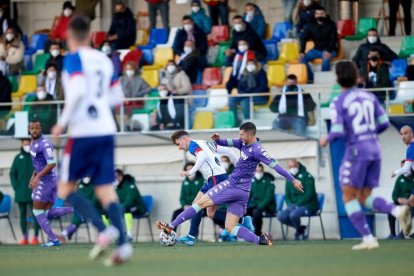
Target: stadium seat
x,y
397,69
97,38
38,41
280,30
221,57
14,83
225,119
27,84
276,74
122,53
162,56
268,32
405,93
279,201
139,122
396,109
219,33
151,75
407,46
149,206
5,208
142,37
289,52
147,54
199,102
272,50
212,76
345,27
364,25
321,201
171,38
300,71
203,120
226,77
135,56
158,36
150,103
31,97
39,64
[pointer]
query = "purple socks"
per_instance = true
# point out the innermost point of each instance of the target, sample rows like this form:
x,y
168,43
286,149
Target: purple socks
x,y
44,224
245,234
357,217
379,205
185,215
54,213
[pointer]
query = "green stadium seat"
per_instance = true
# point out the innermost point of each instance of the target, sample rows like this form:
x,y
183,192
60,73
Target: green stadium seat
x,y
150,105
39,64
364,25
14,82
221,57
407,46
336,90
225,119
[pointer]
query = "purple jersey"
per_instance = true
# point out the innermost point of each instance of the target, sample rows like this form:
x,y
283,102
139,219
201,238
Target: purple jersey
x,y
42,154
359,117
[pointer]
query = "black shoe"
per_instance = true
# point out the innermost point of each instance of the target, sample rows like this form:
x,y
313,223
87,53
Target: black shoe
x,y
301,234
265,239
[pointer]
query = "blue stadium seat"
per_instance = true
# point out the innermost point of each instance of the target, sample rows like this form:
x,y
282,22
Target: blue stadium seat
x,y
149,205
158,36
272,50
147,55
321,202
397,69
199,102
38,41
279,201
5,208
280,30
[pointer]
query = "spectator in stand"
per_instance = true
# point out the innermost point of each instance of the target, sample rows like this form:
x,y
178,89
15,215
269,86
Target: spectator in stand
x,y
86,8
6,22
5,97
289,7
243,54
46,114
227,165
295,111
373,40
133,85
58,32
394,6
306,15
189,189
262,197
122,32
198,14
190,31
11,52
114,56
56,57
375,74
159,5
189,61
176,80
218,9
324,34
53,83
254,16
244,31
253,80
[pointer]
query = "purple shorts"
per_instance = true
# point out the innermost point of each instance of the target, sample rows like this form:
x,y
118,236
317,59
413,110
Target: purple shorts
x,y
360,173
236,198
45,192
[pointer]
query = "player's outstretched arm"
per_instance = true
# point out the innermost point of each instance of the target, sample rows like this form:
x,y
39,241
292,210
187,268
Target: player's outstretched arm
x,y
228,152
405,169
235,143
200,159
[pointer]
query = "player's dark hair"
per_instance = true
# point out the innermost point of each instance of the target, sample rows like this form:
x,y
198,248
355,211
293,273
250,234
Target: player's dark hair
x,y
57,43
120,172
238,16
80,27
346,73
292,77
187,17
178,134
249,127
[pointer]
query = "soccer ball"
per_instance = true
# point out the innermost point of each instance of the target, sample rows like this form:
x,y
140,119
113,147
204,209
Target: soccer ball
x,y
168,239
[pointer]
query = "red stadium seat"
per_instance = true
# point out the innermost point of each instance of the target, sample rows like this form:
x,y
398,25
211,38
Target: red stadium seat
x,y
134,56
219,34
345,27
98,38
212,76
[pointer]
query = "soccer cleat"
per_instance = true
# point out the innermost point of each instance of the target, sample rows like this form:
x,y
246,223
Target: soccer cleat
x,y
62,237
24,242
391,237
122,254
248,223
265,239
187,240
34,241
51,243
104,240
164,227
405,219
366,244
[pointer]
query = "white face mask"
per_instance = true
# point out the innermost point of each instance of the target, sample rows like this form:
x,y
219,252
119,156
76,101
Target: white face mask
x,y
41,95
293,171
306,3
250,13
372,39
238,27
86,180
195,9
51,75
115,183
67,12
258,175
170,69
243,48
188,27
26,148
106,49
129,73
188,50
163,93
9,37
251,67
225,165
54,52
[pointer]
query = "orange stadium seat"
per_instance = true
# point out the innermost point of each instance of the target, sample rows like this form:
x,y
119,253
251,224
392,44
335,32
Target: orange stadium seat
x,y
212,76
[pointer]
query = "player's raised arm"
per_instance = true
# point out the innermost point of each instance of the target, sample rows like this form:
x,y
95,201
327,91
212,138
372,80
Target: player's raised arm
x,y
235,143
201,157
228,152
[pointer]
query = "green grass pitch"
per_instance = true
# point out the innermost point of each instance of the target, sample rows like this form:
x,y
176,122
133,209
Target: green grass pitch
x,y
283,258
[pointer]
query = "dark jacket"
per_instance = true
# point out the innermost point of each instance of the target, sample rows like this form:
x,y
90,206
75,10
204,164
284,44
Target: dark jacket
x,y
262,194
164,117
361,56
129,196
124,25
308,198
403,188
324,35
45,113
191,64
200,41
9,23
252,38
306,16
202,20
20,174
190,188
258,22
383,79
57,61
5,92
260,86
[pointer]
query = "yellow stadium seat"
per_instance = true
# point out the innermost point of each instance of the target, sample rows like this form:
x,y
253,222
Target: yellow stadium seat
x,y
226,77
162,56
276,74
396,109
150,75
142,37
203,120
289,52
299,70
310,45
27,84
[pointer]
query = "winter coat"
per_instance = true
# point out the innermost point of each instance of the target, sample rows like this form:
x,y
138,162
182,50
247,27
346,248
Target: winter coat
x,y
262,194
324,35
129,196
260,79
202,20
135,87
361,56
190,64
190,188
20,174
258,22
45,113
60,28
124,25
5,92
252,38
180,83
403,188
200,41
13,52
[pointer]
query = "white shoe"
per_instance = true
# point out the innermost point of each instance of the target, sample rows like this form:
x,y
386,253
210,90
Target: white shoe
x,y
366,244
104,240
122,254
405,219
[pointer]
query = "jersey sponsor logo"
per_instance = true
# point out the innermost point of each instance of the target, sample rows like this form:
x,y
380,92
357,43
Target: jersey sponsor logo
x,y
49,152
36,145
21,156
243,156
32,153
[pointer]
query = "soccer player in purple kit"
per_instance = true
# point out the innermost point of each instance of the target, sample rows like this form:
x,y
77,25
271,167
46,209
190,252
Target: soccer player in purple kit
x,y
236,190
44,182
358,116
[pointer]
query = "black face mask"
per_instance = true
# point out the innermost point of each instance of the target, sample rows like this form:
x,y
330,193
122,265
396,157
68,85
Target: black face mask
x,y
373,58
320,19
291,87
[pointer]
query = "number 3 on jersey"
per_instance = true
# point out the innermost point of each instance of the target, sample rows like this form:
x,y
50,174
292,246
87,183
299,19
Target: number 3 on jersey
x,y
364,117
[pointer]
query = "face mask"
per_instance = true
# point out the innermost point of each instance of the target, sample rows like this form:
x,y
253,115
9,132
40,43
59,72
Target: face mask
x,y
170,69
163,93
250,13
320,19
306,3
195,9
372,39
55,52
238,27
115,183
188,27
86,180
106,49
374,58
242,48
51,75
294,171
26,148
9,37
41,95
191,177
188,50
129,73
225,165
67,12
291,87
258,175
251,68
